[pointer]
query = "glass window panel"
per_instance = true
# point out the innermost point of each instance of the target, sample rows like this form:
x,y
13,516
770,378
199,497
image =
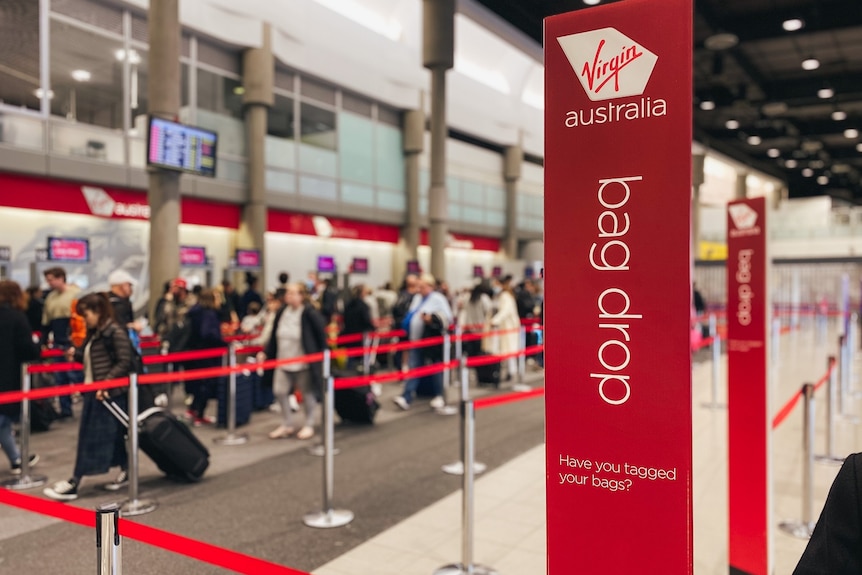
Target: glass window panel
x,y
86,77
22,131
317,161
317,91
226,59
455,213
472,193
472,215
280,153
389,116
424,182
19,53
390,157
356,104
318,188
356,194
394,201
219,94
496,219
99,14
522,203
233,170
495,197
284,79
280,118
140,28
423,206
356,148
453,189
231,132
78,139
317,126
279,181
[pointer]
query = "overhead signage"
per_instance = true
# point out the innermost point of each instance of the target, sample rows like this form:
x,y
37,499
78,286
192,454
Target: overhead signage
x,y
617,225
193,256
179,147
413,267
248,259
497,271
359,266
478,272
749,414
70,250
326,264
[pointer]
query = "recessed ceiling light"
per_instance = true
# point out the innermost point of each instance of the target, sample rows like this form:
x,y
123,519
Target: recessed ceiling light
x,y
851,133
707,105
81,75
839,115
39,92
731,124
810,64
791,164
591,2
859,147
822,180
817,164
721,41
753,140
773,152
793,24
825,93
134,57
807,172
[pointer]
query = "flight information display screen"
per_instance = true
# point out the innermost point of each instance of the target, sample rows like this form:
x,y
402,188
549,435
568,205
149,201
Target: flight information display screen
x,y
179,147
73,250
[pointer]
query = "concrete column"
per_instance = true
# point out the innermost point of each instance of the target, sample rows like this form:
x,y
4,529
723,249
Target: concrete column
x,y
258,81
697,179
741,186
163,92
414,143
513,157
438,55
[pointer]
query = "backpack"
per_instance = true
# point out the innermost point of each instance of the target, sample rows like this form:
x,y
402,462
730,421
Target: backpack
x,y
77,326
179,335
137,360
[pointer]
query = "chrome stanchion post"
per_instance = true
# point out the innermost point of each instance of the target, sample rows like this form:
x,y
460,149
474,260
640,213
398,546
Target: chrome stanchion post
x,y
366,353
232,437
716,363
776,340
831,394
328,517
447,376
457,467
522,361
844,363
466,566
803,529
134,506
319,450
109,549
25,480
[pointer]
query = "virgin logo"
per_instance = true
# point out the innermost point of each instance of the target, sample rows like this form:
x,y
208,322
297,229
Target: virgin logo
x,y
608,63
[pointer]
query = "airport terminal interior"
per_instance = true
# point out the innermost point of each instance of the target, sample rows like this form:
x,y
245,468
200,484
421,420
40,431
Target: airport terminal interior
x,y
351,155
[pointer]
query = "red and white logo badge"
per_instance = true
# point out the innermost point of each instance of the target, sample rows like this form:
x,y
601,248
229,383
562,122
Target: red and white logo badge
x,y
608,63
743,216
99,202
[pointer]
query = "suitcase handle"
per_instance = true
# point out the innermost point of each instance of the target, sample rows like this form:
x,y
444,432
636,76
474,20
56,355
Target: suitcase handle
x,y
123,417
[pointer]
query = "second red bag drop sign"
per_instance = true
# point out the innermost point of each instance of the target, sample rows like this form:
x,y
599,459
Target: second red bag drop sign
x,y
618,291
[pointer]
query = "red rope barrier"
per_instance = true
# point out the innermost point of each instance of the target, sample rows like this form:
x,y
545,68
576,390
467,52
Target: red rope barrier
x,y
785,411
491,401
198,550
185,356
360,380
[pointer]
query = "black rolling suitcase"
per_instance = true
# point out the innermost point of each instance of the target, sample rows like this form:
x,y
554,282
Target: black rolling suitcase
x,y
357,404
168,442
489,374
244,399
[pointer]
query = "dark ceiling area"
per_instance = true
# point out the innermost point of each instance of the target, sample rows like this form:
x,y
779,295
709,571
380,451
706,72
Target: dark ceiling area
x,y
777,84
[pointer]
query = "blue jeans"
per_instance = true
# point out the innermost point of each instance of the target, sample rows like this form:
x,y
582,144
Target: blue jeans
x,y
416,359
7,440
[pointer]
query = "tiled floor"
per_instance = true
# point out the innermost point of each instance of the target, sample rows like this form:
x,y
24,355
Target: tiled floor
x,y
510,501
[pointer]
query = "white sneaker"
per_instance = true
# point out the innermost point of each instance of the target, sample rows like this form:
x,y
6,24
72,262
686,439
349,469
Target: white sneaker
x,y
294,405
377,389
62,491
161,400
438,402
121,481
401,402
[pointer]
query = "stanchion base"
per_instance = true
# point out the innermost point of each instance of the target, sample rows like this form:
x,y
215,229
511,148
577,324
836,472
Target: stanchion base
x,y
851,419
328,519
24,482
714,405
447,410
232,439
521,387
318,451
457,468
798,529
133,507
829,459
461,569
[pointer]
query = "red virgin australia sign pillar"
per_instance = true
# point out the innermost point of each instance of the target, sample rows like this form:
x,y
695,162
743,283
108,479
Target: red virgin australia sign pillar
x,y
749,419
618,290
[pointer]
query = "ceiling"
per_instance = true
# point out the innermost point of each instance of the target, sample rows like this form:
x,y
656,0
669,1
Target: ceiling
x,y
760,83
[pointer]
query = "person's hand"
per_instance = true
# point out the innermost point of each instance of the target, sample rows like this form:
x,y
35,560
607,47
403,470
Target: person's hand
x,y
102,395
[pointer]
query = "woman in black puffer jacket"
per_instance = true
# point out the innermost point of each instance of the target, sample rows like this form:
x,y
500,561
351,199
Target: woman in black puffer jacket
x,y
106,354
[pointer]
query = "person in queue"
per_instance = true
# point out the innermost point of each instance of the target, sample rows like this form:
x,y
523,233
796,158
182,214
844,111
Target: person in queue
x,y
106,354
16,347
171,308
408,291
506,319
56,324
835,547
357,320
475,317
298,329
205,334
35,306
429,307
